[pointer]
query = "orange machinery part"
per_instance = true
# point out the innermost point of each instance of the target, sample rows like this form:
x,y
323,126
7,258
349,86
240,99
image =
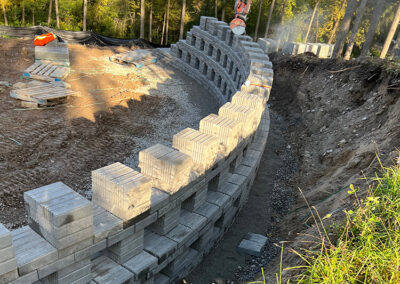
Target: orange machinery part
x,y
44,39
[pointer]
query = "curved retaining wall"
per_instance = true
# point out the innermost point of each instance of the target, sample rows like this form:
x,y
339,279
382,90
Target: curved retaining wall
x,y
156,225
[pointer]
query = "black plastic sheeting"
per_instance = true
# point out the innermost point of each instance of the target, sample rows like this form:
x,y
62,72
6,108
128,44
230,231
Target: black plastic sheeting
x,y
75,37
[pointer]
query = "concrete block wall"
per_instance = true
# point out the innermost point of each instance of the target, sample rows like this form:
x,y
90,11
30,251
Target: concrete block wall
x,y
155,226
322,50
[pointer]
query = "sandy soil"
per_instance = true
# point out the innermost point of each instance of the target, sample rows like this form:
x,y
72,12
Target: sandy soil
x,y
330,121
121,110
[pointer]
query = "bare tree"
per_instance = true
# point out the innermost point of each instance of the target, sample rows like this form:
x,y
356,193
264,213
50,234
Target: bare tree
x,y
166,23
33,16
183,13
391,33
142,17
57,15
23,12
84,14
163,29
258,20
335,27
311,20
216,8
151,21
344,29
223,10
271,9
372,28
354,31
50,8
3,5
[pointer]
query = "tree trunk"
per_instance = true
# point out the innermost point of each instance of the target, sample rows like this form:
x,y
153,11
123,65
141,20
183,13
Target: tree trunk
x,y
311,21
151,21
223,10
33,16
354,31
335,27
216,9
344,29
133,19
5,15
57,15
271,9
166,23
163,30
317,32
372,28
282,31
23,13
142,15
391,33
283,12
50,8
258,20
182,28
84,14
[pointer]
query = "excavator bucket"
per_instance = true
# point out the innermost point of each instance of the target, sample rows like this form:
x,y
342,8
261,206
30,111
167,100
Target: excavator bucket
x,y
238,24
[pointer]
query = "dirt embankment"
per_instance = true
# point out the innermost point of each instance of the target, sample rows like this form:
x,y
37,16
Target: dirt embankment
x,y
340,117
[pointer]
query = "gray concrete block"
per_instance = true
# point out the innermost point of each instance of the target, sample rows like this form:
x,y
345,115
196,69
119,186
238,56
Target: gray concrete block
x,y
159,246
91,250
6,254
194,221
181,235
210,211
9,276
196,200
221,200
161,279
142,265
55,266
75,248
230,189
31,250
104,270
7,266
105,224
167,222
125,233
5,237
227,218
26,279
145,222
130,243
158,199
78,274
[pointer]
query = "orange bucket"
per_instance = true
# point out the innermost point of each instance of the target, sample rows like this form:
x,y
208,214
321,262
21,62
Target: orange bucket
x,y
44,39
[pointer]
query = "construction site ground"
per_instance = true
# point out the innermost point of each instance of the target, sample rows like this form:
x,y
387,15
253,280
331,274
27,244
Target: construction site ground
x,y
120,111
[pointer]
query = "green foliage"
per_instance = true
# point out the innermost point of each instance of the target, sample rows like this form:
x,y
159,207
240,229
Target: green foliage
x,y
368,248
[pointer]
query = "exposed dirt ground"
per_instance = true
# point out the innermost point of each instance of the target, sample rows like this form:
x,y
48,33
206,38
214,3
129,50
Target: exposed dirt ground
x,y
329,121
120,111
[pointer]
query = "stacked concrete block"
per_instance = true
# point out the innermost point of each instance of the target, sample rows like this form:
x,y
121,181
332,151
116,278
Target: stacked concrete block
x,y
105,224
167,222
127,248
252,244
62,216
78,272
8,264
56,53
248,117
32,252
268,45
313,48
106,271
325,50
182,265
196,200
226,130
252,101
160,278
203,148
142,266
121,190
160,247
169,168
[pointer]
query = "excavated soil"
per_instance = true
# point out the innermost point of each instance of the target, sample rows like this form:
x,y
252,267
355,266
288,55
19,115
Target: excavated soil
x,y
330,121
120,111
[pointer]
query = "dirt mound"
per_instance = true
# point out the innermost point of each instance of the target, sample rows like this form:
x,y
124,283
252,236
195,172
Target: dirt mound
x,y
339,116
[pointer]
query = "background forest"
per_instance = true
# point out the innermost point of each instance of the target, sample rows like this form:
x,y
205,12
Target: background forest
x,y
165,21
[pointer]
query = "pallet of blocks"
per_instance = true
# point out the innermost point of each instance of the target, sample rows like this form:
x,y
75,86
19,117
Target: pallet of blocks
x,y
46,72
44,94
55,52
138,58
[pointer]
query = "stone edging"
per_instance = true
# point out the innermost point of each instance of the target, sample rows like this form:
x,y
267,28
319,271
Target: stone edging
x,y
156,225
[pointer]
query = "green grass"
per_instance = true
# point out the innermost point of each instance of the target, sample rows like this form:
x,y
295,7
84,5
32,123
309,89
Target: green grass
x,y
368,247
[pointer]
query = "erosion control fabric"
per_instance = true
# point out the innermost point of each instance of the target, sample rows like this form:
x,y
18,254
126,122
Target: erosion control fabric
x,y
73,37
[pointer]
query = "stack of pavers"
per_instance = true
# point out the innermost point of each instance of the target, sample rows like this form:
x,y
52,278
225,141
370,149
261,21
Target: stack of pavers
x,y
243,114
169,168
54,52
322,50
228,131
203,148
268,45
8,264
65,220
255,102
